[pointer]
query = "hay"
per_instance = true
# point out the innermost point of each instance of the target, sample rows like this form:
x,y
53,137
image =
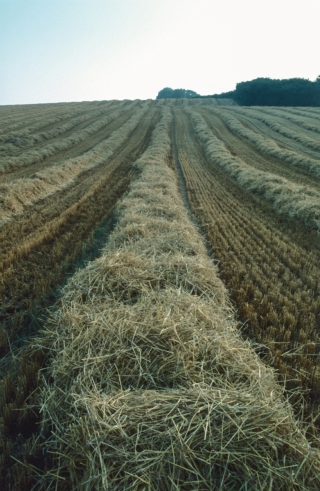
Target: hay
x,y
195,439
163,391
41,153
14,197
125,276
164,339
150,386
270,147
287,198
30,135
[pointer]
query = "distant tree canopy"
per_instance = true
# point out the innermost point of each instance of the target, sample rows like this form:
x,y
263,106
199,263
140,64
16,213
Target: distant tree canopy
x,y
288,92
274,92
262,92
168,93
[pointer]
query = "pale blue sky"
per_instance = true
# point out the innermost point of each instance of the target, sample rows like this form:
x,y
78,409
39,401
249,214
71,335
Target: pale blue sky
x,y
74,50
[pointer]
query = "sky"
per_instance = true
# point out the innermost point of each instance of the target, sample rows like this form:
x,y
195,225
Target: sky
x,y
77,50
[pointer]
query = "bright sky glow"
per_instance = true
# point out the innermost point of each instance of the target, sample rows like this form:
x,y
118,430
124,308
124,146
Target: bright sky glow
x,y
74,50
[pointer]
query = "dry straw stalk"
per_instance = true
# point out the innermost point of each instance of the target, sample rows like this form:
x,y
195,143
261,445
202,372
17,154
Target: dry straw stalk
x,y
149,385
288,198
16,195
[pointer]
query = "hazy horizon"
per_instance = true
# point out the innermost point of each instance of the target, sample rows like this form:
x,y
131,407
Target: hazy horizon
x,y
100,49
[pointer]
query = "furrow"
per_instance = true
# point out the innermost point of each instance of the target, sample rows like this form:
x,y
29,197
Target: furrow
x,y
288,198
273,281
147,374
57,148
78,150
284,125
15,142
245,150
268,146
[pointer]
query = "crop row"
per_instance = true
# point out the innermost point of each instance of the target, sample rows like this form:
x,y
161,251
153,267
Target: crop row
x,y
287,198
301,121
148,381
38,249
16,195
273,280
43,152
37,117
286,128
269,146
305,114
249,153
145,379
42,117
33,134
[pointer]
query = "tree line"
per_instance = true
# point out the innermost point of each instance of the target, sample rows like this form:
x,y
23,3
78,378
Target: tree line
x,y
263,92
168,93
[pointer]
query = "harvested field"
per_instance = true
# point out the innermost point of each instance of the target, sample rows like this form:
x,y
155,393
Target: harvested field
x,y
272,275
42,242
185,356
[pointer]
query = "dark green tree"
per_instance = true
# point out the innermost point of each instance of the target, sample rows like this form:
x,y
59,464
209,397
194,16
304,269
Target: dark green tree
x,y
168,93
274,92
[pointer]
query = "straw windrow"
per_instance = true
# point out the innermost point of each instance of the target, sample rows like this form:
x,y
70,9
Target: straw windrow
x,y
270,147
287,198
149,385
41,153
15,196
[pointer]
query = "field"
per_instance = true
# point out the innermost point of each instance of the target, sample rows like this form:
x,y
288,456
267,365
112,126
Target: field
x,y
160,308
